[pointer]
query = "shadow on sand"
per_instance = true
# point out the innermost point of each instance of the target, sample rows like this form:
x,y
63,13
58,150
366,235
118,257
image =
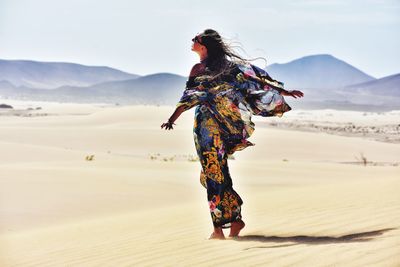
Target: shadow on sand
x,y
312,240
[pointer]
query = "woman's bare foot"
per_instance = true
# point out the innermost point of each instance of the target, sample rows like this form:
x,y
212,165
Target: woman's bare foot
x,y
236,226
217,234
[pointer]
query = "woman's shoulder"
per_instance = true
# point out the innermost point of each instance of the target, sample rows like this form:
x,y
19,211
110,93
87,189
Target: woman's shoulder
x,y
197,69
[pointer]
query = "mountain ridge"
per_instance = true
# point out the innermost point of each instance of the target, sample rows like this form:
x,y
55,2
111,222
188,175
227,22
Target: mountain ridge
x,y
167,88
50,75
317,71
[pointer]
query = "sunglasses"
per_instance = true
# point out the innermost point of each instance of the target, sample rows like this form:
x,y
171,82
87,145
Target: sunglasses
x,y
196,39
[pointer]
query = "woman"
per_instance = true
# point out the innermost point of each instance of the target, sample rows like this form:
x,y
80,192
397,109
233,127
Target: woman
x,y
226,91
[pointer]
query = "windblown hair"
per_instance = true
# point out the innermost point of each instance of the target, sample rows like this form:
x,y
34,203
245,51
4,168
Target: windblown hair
x,y
221,55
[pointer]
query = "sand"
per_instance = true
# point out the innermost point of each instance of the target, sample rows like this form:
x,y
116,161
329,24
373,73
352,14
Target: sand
x,y
309,200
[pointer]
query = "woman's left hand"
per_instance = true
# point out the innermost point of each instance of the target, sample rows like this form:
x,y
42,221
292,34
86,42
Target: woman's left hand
x,y
294,93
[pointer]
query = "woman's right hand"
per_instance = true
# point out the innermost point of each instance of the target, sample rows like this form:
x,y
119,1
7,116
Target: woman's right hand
x,y
167,125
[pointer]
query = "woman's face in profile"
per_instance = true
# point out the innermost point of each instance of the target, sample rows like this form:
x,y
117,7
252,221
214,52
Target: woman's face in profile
x,y
196,44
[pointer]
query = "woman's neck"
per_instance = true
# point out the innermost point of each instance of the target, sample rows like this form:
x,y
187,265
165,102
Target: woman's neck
x,y
203,58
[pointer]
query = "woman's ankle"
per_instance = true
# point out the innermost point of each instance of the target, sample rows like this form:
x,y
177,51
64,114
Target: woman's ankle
x,y
218,230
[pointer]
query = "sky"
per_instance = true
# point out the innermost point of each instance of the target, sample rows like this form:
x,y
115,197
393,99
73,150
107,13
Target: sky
x,y
145,37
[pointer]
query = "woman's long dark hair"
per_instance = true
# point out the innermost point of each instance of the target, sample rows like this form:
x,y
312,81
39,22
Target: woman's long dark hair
x,y
221,57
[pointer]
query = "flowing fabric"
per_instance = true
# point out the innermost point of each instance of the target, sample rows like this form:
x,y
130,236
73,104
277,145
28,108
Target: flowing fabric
x,y
222,125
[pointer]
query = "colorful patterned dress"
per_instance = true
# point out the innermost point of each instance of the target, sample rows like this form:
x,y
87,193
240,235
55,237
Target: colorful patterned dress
x,y
222,125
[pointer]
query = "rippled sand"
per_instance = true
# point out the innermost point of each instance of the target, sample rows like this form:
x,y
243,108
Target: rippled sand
x,y
309,199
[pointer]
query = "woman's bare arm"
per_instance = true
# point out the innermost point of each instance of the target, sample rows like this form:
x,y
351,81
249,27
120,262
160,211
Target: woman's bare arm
x,y
168,125
178,111
196,70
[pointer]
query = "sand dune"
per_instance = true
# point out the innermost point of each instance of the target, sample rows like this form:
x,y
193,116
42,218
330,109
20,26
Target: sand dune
x,y
307,199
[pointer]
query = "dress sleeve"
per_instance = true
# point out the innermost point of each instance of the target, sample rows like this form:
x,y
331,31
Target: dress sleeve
x,y
193,94
267,79
261,92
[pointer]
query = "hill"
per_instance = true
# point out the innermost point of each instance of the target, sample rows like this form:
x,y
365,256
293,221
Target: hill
x,y
317,71
49,75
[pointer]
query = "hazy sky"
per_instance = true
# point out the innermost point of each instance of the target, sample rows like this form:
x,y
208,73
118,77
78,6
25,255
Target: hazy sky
x,y
151,36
